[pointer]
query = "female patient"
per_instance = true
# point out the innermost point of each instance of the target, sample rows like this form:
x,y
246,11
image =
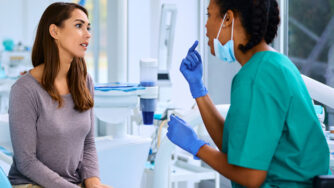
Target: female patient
x,y
50,112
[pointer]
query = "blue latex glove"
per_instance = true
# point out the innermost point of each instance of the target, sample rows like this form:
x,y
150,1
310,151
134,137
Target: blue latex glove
x,y
181,134
192,69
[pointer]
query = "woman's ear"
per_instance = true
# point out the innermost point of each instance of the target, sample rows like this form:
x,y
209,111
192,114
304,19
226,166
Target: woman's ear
x,y
229,18
53,30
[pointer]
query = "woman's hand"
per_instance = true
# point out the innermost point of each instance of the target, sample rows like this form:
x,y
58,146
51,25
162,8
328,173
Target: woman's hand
x,y
192,69
94,182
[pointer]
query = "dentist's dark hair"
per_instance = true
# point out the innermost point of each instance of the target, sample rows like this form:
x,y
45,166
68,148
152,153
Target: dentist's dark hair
x,y
260,18
45,51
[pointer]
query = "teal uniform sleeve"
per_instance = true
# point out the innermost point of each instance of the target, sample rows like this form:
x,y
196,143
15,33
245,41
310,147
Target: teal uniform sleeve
x,y
253,127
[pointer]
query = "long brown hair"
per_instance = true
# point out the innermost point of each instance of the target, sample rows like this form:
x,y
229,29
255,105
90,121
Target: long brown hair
x,y
46,51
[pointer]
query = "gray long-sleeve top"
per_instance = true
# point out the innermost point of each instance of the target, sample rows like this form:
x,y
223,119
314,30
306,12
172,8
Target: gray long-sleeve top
x,y
53,147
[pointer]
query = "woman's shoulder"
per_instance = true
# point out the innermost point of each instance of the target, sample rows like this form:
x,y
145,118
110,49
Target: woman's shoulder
x,y
277,73
266,67
26,81
275,60
25,86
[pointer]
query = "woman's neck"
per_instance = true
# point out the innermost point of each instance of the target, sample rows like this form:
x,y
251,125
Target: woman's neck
x,y
64,64
243,58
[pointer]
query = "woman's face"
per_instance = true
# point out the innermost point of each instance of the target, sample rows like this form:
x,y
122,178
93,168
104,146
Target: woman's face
x,y
213,24
74,35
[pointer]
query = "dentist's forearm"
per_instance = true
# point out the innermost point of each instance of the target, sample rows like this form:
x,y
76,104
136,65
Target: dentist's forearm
x,y
243,176
212,119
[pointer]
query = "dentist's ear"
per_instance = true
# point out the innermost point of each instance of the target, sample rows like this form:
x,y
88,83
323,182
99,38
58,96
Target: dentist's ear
x,y
229,17
53,30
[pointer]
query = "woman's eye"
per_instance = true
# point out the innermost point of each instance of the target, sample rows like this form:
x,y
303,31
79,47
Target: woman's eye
x,y
88,28
78,25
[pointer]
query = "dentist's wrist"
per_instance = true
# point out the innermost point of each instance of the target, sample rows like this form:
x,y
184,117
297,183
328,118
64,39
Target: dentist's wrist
x,y
198,89
198,144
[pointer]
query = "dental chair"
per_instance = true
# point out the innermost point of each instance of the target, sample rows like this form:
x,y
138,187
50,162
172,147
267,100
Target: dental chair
x,y
323,94
4,182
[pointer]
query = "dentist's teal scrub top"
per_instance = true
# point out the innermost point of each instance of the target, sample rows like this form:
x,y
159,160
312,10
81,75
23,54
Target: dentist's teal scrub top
x,y
272,125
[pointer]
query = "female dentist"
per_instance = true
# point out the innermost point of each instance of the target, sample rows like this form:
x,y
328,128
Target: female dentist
x,y
271,136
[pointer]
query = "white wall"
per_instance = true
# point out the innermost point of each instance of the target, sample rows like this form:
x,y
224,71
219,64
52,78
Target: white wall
x,y
139,36
19,19
11,15
186,32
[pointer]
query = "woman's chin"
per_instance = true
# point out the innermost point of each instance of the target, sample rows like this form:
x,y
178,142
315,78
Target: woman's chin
x,y
81,55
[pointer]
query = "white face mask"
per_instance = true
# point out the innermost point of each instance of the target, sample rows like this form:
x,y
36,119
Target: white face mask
x,y
225,52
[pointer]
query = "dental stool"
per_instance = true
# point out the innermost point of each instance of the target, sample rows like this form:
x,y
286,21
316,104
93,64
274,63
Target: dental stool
x,y
323,181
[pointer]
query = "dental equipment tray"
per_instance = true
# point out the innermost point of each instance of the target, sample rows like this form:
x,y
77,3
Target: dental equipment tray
x,y
118,86
182,171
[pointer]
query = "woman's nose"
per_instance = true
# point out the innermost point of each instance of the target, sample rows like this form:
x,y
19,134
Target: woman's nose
x,y
88,34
